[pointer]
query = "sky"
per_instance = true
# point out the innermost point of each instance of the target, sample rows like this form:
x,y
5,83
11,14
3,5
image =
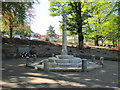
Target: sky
x,y
43,20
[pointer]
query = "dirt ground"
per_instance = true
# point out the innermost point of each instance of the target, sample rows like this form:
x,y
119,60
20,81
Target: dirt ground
x,y
45,49
16,75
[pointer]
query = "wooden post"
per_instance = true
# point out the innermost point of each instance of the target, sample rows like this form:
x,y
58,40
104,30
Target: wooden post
x,y
84,65
93,58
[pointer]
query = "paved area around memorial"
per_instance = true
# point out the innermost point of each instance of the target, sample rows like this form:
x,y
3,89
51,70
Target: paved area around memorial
x,y
16,75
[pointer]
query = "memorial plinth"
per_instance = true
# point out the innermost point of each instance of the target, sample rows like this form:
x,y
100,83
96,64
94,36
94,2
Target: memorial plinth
x,y
64,61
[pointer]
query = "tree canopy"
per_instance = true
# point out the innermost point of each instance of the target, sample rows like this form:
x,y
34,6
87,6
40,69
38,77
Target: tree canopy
x,y
51,31
90,20
14,14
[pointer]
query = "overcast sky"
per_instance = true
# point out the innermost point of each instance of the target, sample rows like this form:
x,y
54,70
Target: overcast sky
x,y
42,20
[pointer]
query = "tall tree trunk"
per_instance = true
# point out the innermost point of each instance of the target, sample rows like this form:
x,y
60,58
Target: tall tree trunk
x,y
77,10
80,34
80,37
96,41
11,29
80,41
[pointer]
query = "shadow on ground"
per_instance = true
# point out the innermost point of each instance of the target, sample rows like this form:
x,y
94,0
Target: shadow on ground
x,y
16,75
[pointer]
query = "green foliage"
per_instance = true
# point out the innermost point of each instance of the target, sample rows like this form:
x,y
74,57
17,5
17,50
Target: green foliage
x,y
77,13
19,30
99,19
14,14
103,25
16,11
57,8
51,31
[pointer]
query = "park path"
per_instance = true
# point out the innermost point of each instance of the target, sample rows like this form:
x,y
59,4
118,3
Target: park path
x,y
16,75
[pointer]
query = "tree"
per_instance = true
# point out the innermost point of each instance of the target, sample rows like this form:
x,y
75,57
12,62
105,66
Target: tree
x,y
89,19
80,14
14,13
51,31
74,13
111,26
101,23
23,30
76,6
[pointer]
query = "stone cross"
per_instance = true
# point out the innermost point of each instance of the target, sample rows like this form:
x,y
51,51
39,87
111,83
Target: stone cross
x,y
64,36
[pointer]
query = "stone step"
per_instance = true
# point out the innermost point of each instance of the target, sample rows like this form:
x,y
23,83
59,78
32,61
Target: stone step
x,y
64,56
65,69
65,64
36,66
71,60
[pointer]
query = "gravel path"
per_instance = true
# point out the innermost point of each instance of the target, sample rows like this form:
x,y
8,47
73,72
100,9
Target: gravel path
x,y
16,75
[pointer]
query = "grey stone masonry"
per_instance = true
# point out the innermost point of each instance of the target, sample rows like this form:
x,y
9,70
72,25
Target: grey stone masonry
x,y
64,42
93,58
46,65
27,61
84,65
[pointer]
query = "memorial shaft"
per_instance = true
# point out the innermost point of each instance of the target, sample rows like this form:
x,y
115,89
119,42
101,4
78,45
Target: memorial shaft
x,y
64,36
